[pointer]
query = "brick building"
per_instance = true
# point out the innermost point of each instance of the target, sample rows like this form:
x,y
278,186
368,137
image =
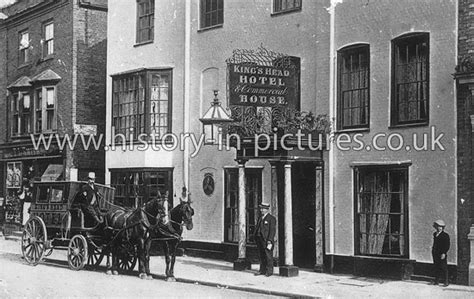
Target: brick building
x,y
53,85
464,76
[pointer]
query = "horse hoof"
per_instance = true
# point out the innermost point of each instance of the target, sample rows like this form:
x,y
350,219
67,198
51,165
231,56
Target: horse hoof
x,y
142,275
170,279
115,272
149,277
109,272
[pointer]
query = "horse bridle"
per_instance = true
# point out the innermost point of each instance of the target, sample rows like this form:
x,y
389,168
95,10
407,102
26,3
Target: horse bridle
x,y
182,223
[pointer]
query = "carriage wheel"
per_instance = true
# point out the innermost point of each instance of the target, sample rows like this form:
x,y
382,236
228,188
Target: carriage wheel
x,y
33,240
77,252
128,257
95,256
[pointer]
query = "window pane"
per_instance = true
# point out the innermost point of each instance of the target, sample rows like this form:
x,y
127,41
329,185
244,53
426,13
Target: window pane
x,y
354,87
145,20
212,12
411,64
286,5
380,210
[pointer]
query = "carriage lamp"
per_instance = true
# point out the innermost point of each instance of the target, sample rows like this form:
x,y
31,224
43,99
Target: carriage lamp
x,y
213,119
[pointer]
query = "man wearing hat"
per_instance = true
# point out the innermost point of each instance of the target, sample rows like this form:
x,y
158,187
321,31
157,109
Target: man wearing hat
x,y
440,252
264,237
90,206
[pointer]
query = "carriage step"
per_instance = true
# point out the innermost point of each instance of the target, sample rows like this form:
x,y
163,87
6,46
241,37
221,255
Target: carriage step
x,y
205,253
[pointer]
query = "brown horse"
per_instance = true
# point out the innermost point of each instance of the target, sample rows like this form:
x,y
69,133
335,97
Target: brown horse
x,y
170,234
129,235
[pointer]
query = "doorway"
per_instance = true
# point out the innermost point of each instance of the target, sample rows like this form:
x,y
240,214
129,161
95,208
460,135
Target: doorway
x,y
304,210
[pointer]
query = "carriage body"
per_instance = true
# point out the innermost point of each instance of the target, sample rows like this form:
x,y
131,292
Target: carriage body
x,y
54,203
57,222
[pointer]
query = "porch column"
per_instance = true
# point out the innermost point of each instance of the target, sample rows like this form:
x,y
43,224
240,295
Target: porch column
x,y
470,236
319,225
242,263
274,204
288,269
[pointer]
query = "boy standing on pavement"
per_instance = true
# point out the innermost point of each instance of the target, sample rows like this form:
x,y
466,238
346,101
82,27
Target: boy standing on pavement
x,y
440,252
264,237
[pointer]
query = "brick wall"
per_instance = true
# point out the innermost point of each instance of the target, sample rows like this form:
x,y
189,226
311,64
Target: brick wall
x,y
90,46
465,142
3,82
61,62
79,59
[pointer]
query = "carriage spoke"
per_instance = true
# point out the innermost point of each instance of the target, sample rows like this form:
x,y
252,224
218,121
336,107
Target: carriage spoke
x,y
35,230
35,252
29,251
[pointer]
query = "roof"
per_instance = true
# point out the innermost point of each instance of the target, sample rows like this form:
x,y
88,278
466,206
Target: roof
x,y
21,82
46,75
16,7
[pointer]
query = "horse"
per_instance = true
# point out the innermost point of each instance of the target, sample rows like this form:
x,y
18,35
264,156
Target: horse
x,y
129,229
170,234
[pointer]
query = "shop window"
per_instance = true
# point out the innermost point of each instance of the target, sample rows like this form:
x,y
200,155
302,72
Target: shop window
x,y
23,48
48,39
253,189
353,87
135,187
13,204
212,13
410,79
381,211
145,20
142,104
280,6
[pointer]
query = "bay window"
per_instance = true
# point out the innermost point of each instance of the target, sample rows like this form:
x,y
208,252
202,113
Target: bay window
x,y
141,103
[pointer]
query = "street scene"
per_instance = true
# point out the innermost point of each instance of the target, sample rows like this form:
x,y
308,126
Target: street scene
x,y
197,278
212,148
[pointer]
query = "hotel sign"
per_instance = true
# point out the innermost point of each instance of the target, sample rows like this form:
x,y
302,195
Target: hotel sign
x,y
256,85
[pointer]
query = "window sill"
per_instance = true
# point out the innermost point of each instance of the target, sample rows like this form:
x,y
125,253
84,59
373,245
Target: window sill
x,y
24,65
20,137
137,142
354,130
412,125
47,58
143,43
210,27
283,12
384,257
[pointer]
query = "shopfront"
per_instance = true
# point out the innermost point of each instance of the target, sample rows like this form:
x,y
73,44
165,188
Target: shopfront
x,y
21,167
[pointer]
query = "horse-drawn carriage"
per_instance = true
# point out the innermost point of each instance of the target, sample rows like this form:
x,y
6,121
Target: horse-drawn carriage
x,y
57,222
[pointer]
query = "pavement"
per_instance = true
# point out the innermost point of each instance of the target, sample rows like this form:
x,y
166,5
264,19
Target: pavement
x,y
308,284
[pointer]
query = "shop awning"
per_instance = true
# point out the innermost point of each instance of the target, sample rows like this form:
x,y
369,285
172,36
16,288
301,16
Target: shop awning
x,y
52,173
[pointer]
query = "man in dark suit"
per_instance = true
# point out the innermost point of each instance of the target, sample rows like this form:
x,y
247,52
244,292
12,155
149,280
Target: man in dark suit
x,y
89,199
264,237
440,252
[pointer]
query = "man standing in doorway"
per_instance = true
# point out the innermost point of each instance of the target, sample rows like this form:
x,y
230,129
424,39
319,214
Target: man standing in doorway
x,y
264,237
440,252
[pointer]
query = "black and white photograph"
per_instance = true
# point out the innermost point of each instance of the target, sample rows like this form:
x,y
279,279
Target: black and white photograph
x,y
237,149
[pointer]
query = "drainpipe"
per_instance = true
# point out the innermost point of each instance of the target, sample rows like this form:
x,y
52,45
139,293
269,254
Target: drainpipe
x,y
187,86
332,107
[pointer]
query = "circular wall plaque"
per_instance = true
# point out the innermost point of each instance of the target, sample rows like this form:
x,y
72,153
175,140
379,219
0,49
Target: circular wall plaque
x,y
208,184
